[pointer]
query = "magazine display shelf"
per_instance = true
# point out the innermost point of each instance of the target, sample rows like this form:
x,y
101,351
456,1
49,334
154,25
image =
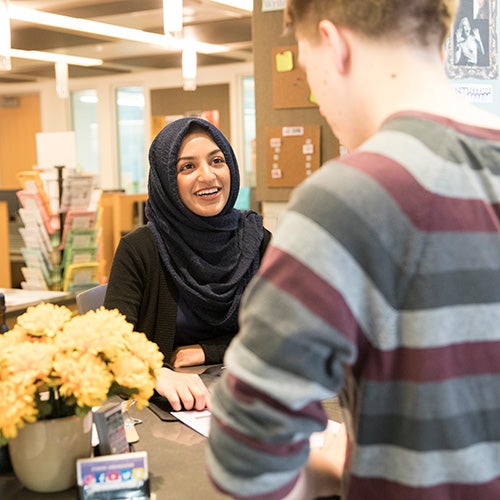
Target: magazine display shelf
x,y
61,233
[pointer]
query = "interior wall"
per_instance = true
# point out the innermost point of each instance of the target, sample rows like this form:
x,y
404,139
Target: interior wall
x,y
268,33
20,120
55,112
176,101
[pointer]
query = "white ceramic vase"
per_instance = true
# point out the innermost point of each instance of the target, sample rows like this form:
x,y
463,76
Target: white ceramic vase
x,y
44,453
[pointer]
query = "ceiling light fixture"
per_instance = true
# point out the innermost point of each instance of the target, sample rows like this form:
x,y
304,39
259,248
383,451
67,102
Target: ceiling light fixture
x,y
189,66
36,55
88,26
62,80
5,63
107,30
172,17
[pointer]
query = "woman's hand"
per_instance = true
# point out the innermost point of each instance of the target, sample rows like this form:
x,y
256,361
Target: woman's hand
x,y
188,355
183,390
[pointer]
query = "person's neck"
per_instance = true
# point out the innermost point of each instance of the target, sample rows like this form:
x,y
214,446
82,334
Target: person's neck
x,y
404,80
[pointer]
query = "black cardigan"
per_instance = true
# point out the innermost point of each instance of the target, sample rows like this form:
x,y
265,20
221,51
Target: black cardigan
x,y
141,288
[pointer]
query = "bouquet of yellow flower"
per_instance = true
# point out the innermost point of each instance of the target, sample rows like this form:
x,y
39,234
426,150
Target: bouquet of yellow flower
x,y
54,364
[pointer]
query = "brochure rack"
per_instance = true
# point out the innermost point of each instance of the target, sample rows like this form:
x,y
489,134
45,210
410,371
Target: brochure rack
x,y
61,233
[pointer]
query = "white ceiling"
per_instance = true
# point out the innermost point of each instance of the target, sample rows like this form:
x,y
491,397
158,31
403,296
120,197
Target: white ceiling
x,y
204,20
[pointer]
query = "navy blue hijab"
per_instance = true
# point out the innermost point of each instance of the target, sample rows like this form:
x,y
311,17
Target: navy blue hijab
x,y
211,259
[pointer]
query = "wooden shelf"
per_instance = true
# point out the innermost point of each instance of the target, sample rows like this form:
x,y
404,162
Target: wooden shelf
x,y
5,274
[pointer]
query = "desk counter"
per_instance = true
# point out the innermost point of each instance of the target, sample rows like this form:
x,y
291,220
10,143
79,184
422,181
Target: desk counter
x,y
18,300
176,459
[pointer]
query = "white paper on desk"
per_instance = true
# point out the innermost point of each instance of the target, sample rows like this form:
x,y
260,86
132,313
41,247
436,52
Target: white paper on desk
x,y
15,297
200,422
197,420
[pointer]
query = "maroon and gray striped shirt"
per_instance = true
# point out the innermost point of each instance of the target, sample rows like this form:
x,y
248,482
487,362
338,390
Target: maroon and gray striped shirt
x,y
382,284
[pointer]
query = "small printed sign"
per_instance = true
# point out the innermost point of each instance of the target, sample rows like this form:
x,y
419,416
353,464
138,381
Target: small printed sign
x,y
270,5
125,475
292,131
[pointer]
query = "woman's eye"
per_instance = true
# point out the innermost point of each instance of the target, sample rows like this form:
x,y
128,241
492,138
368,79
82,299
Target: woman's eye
x,y
218,159
185,166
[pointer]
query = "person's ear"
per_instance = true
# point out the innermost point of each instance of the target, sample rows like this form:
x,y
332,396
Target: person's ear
x,y
335,39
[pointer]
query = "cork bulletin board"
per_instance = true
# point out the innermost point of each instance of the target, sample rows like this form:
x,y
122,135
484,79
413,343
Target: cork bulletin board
x,y
292,154
267,28
290,87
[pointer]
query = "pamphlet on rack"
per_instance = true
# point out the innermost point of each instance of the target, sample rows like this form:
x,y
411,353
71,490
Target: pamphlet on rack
x,y
33,279
34,239
78,192
34,259
33,223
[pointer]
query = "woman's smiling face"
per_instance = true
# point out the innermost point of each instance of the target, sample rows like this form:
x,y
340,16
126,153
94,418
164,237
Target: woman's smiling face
x,y
203,177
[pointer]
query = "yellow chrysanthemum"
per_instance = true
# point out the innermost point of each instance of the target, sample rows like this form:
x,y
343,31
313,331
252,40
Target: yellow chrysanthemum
x,y
146,350
17,406
54,359
86,378
133,373
33,361
44,320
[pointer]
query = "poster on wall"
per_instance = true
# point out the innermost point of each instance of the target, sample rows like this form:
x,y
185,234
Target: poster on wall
x,y
472,45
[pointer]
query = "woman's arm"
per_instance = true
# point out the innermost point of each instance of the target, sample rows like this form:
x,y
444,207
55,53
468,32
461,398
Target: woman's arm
x,y
126,283
207,352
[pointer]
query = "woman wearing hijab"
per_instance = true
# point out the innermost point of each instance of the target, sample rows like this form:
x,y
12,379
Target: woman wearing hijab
x,y
180,278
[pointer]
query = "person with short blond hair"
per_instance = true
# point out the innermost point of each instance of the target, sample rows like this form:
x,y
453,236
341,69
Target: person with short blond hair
x,y
381,284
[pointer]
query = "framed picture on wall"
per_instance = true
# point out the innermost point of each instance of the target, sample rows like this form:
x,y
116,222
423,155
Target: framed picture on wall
x,y
471,48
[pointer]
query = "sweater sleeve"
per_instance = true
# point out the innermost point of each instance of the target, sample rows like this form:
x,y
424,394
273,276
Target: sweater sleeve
x,y
126,282
215,348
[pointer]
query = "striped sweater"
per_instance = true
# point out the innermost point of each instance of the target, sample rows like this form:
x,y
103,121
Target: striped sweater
x,y
382,284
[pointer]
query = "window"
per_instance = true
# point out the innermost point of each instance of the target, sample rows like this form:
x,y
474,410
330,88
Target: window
x,y
131,160
84,121
248,92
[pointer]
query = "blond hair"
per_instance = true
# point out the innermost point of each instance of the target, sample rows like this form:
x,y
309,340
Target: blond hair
x,y
421,22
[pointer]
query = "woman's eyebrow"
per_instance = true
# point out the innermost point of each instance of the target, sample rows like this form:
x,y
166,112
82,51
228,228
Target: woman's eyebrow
x,y
185,158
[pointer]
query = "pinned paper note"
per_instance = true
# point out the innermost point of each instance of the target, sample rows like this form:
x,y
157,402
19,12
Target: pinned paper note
x,y
275,142
290,88
284,61
308,149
